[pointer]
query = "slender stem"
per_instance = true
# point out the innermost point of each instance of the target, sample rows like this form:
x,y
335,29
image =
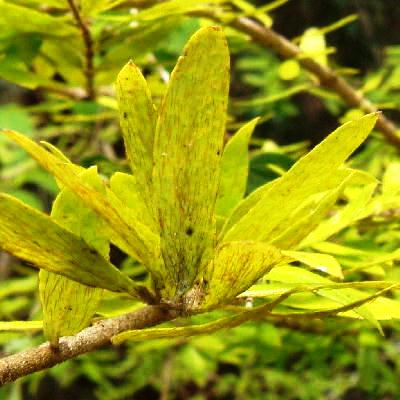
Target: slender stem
x,y
89,51
327,77
90,339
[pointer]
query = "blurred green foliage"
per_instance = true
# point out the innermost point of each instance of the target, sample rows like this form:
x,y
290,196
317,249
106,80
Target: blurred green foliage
x,y
43,61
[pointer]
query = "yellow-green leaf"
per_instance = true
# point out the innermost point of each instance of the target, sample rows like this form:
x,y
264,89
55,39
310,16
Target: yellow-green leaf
x,y
313,45
125,188
342,217
305,178
234,169
26,20
321,262
235,267
289,274
305,219
289,70
68,306
174,7
21,325
187,154
138,122
135,236
37,239
391,180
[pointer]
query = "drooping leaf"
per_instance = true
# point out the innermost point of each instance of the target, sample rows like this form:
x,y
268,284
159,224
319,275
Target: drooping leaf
x,y
37,239
381,308
68,306
289,274
235,267
180,331
122,196
187,153
136,237
304,179
234,169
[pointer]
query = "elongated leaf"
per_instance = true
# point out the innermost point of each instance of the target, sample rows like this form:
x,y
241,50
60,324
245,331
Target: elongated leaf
x,y
18,286
234,169
35,238
138,123
391,180
125,188
304,221
141,242
180,331
11,15
381,308
343,217
289,274
68,306
93,7
236,266
174,7
301,181
21,325
245,205
321,262
187,153
122,197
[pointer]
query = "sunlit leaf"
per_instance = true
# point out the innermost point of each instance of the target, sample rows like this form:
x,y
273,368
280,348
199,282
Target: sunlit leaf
x,y
289,70
138,122
37,239
235,267
174,7
234,169
321,262
187,153
25,326
305,178
289,274
68,306
313,45
342,217
125,188
34,21
135,236
391,180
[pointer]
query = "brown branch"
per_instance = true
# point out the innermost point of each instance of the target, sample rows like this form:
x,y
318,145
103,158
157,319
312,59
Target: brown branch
x,y
327,77
92,338
89,51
